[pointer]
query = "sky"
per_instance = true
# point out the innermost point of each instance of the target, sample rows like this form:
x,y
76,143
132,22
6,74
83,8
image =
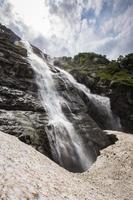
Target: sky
x,y
67,27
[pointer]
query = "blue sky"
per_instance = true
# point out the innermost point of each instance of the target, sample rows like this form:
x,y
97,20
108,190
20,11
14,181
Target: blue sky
x,y
62,27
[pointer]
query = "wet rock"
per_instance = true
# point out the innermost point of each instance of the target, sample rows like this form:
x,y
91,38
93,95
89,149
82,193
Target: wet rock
x,y
122,104
12,99
28,126
113,82
21,110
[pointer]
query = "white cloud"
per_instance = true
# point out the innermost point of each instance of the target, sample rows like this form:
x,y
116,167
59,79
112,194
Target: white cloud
x,y
97,6
121,29
58,26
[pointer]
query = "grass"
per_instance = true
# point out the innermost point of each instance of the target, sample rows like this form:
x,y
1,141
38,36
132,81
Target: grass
x,y
122,76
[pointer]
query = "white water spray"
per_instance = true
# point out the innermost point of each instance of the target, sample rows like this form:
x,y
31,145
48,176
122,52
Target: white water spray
x,y
101,104
67,147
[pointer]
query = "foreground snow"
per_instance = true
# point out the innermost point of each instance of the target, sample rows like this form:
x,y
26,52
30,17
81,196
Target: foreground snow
x,y
27,174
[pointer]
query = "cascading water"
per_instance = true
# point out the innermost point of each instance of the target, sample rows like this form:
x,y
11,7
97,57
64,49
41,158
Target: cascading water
x,y
67,147
101,105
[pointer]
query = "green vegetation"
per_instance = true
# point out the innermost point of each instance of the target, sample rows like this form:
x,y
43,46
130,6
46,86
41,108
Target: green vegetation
x,y
126,62
97,66
90,58
120,71
121,76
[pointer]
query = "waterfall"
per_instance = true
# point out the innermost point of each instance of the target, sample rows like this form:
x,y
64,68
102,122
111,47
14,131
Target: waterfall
x,y
103,114
67,146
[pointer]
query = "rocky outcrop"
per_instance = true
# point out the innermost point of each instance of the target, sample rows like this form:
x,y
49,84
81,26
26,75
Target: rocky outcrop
x,y
27,174
122,104
106,78
21,111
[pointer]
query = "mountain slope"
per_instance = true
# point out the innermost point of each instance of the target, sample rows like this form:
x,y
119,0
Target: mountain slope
x,y
108,78
21,110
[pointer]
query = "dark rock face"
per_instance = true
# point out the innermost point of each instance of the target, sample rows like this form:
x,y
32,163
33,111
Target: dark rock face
x,y
122,104
77,112
121,99
28,126
21,112
120,92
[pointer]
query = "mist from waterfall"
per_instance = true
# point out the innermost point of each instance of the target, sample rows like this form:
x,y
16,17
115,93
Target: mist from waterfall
x,y
101,104
66,145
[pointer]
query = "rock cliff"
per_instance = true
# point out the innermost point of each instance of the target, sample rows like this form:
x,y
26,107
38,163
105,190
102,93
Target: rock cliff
x,y
21,111
107,78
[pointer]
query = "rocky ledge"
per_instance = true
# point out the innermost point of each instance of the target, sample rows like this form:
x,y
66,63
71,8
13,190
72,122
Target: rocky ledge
x,y
27,174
